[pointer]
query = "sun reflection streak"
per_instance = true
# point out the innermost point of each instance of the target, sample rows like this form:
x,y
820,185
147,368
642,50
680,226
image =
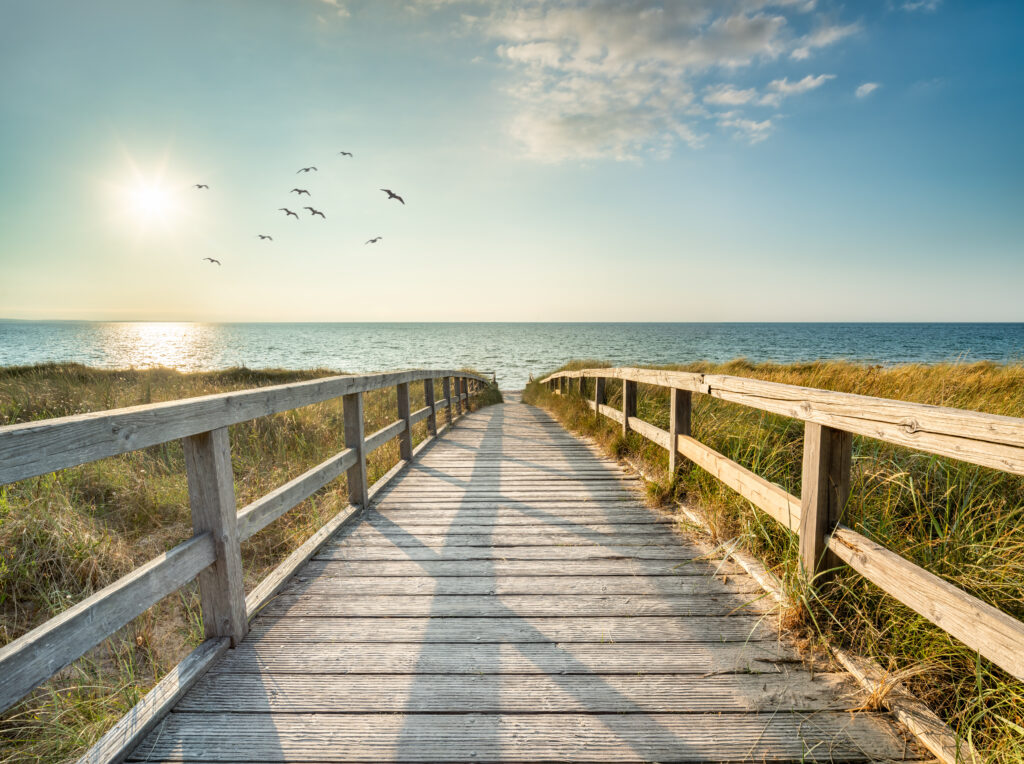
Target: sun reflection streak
x,y
172,344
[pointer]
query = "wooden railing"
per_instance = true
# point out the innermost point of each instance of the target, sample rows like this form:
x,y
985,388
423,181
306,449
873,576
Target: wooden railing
x,y
213,553
831,419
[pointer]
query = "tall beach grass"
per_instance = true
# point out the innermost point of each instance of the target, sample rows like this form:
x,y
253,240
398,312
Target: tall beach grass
x,y
959,521
65,535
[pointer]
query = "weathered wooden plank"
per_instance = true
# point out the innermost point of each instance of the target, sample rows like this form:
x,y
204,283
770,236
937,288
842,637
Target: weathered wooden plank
x,y
430,405
118,742
419,415
680,413
355,438
561,552
584,516
825,485
498,694
649,431
340,584
500,540
35,448
404,415
496,568
504,606
529,658
635,737
211,495
467,526
446,386
763,494
383,435
517,629
262,512
991,632
42,652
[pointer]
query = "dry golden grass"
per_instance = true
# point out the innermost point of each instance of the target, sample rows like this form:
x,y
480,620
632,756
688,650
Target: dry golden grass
x,y
961,522
65,535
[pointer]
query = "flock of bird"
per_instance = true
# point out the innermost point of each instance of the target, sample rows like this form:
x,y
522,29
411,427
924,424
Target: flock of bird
x,y
313,212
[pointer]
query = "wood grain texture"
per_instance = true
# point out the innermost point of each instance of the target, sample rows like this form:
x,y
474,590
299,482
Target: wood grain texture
x,y
211,495
355,439
262,512
990,440
991,632
828,736
825,487
404,416
430,405
119,741
606,658
36,656
35,448
383,435
679,415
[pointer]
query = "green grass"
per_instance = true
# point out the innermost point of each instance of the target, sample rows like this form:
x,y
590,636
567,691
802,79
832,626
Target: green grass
x,y
65,535
962,522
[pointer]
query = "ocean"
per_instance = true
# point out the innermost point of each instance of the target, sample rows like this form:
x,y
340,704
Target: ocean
x,y
512,350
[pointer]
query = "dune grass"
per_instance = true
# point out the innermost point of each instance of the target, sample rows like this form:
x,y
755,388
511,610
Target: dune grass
x,y
65,535
962,522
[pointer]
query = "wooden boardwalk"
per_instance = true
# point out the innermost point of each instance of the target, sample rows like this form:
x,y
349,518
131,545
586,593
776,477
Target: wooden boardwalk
x,y
509,598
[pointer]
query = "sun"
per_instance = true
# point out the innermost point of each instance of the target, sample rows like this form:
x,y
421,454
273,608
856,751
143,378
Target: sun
x,y
151,201
148,196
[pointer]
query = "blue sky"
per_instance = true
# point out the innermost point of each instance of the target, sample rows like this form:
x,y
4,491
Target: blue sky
x,y
708,160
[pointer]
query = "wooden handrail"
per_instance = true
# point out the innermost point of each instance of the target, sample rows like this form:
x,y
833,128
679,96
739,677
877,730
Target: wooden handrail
x,y
831,420
213,553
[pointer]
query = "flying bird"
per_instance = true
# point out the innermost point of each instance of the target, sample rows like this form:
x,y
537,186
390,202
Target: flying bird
x,y
212,260
288,212
268,238
345,153
306,169
374,240
392,195
299,191
315,212
201,185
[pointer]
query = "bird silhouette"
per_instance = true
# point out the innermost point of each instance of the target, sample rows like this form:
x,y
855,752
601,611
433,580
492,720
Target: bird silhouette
x,y
212,260
268,238
288,212
306,169
201,185
315,212
299,191
374,240
345,153
392,195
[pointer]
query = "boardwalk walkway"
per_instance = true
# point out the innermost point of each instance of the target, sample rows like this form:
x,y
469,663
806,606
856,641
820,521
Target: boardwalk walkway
x,y
510,598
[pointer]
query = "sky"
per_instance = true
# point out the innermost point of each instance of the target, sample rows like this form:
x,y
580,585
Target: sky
x,y
707,160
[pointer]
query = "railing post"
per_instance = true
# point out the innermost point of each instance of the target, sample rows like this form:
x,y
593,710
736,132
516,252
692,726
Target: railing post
x,y
680,409
457,389
828,454
354,438
404,438
599,397
447,383
465,389
428,398
563,385
628,403
211,494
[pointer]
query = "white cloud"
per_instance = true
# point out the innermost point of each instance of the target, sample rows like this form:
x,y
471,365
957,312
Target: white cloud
x,y
750,129
921,5
339,7
863,91
823,36
783,88
727,95
618,79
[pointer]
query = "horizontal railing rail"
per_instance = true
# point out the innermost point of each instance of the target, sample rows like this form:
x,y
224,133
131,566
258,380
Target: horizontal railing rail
x,y
213,553
831,419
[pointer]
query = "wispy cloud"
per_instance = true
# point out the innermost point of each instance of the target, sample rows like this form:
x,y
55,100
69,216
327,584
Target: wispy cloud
x,y
621,80
339,8
863,91
920,5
